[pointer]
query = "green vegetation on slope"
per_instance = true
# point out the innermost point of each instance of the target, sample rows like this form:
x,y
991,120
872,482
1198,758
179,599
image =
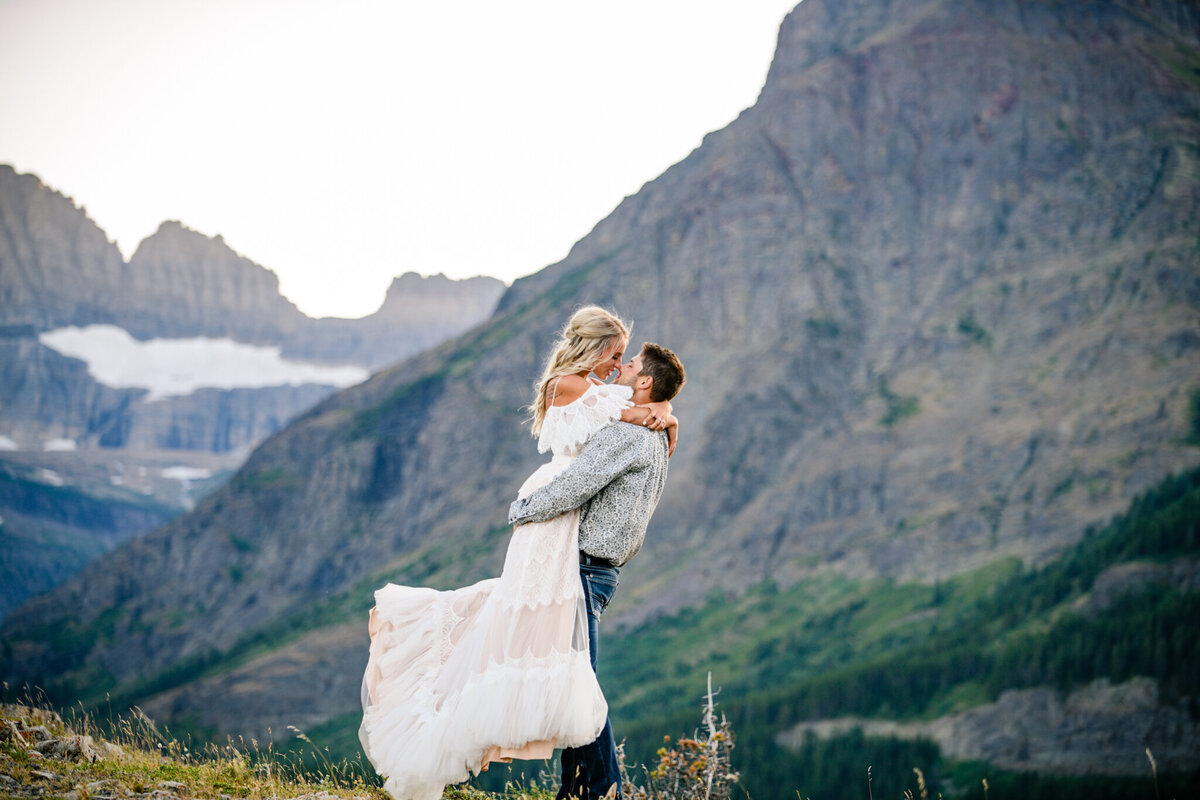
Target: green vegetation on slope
x,y
1022,632
1194,417
48,533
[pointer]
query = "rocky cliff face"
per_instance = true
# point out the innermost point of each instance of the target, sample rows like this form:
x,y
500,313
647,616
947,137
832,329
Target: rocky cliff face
x,y
211,290
937,294
58,267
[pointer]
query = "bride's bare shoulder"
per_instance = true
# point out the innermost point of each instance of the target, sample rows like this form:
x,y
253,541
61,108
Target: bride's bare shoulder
x,y
566,389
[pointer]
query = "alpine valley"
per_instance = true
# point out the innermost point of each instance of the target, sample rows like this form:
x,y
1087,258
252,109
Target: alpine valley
x,y
938,296
128,390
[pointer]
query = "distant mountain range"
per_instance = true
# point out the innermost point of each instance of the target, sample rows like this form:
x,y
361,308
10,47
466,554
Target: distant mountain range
x,y
90,424
60,270
938,297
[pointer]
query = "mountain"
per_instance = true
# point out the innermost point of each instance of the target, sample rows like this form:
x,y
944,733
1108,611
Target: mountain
x,y
211,291
937,294
59,269
108,388
58,266
138,385
429,310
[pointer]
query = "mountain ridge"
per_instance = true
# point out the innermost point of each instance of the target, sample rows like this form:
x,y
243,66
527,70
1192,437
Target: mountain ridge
x,y
52,249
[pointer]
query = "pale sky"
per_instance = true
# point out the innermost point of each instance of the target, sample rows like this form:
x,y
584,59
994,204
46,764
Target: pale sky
x,y
342,143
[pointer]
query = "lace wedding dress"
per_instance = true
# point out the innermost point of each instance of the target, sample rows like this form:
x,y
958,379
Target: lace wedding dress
x,y
497,670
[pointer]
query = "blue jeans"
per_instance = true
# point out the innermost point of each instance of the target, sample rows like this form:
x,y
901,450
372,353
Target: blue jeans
x,y
589,771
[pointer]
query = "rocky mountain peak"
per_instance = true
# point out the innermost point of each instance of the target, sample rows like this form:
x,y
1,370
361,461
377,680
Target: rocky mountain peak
x,y
436,296
213,290
825,28
56,266
173,239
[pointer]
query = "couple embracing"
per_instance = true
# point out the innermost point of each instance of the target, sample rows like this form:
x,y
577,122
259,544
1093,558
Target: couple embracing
x,y
505,668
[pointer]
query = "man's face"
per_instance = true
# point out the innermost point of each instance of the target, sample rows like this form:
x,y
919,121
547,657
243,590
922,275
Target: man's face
x,y
627,373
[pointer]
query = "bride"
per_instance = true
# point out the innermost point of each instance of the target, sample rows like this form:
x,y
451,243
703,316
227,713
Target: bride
x,y
500,669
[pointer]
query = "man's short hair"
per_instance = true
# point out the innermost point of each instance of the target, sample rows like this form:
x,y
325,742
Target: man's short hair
x,y
665,369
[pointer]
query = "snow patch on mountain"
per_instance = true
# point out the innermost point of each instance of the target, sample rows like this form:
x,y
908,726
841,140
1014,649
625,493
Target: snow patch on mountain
x,y
177,367
185,473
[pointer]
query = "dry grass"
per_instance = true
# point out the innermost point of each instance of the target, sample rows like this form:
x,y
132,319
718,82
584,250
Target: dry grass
x,y
132,757
43,755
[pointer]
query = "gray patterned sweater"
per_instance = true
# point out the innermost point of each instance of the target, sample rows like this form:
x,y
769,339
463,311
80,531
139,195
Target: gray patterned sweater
x,y
616,483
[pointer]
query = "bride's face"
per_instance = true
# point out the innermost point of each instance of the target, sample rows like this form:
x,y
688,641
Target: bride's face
x,y
610,360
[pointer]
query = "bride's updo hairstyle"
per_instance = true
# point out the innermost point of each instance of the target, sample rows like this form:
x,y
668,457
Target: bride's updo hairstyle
x,y
589,334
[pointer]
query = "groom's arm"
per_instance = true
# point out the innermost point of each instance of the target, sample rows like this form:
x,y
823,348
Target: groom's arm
x,y
612,451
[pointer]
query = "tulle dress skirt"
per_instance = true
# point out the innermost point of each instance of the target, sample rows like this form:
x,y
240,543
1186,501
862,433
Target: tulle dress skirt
x,y
488,672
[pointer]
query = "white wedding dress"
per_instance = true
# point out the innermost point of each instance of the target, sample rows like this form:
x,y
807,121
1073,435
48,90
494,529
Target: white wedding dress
x,y
497,670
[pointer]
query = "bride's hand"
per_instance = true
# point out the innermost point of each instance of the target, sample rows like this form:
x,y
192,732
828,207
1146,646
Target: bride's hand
x,y
660,412
672,435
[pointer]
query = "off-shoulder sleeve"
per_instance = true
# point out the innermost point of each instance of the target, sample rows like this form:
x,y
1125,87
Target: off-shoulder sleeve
x,y
566,428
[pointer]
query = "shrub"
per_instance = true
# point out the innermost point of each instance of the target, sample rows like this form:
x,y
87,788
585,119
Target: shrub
x,y
696,768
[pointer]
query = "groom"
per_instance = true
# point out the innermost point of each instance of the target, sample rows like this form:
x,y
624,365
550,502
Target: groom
x,y
616,482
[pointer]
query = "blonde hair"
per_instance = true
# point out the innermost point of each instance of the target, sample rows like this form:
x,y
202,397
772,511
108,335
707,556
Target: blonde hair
x,y
589,334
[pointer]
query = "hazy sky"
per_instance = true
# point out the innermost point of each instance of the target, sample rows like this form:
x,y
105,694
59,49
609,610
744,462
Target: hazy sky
x,y
343,143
